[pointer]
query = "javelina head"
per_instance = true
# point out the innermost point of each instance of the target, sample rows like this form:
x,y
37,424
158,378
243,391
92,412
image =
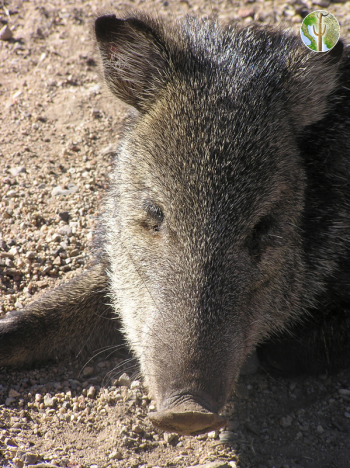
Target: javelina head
x,y
203,219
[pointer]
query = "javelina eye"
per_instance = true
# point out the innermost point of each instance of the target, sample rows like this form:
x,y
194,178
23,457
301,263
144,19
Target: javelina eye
x,y
261,236
155,216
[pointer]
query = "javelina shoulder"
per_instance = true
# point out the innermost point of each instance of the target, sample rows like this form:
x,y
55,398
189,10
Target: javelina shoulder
x,y
227,225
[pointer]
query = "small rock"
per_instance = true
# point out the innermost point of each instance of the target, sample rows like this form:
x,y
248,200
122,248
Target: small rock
x,y
18,463
49,401
7,213
57,191
170,437
319,429
5,33
13,251
87,371
227,437
135,384
31,255
56,238
30,458
116,455
246,12
321,3
286,421
17,170
213,434
65,231
347,415
6,255
10,442
64,215
13,393
9,400
57,261
344,392
91,392
124,380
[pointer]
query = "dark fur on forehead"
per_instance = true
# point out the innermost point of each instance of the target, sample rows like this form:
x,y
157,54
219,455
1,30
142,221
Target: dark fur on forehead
x,y
141,55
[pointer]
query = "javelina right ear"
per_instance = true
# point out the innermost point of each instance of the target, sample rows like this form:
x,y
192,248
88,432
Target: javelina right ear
x,y
134,59
315,77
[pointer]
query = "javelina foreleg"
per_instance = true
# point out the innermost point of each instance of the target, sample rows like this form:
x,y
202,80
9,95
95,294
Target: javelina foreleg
x,y
73,317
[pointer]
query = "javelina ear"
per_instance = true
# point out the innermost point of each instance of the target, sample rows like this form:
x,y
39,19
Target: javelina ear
x,y
316,78
134,59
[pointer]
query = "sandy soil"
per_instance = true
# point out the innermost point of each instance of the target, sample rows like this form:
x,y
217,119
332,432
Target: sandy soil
x,y
58,134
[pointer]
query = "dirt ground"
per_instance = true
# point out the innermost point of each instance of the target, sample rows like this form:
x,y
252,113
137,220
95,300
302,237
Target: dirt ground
x,y
58,134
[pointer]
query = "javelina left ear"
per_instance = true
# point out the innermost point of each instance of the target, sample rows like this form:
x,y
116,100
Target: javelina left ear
x,y
315,78
134,60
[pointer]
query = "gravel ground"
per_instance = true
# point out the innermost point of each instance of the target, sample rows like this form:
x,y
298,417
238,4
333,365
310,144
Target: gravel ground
x,y
58,134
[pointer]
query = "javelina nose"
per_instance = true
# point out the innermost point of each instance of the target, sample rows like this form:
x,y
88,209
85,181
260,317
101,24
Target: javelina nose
x,y
187,418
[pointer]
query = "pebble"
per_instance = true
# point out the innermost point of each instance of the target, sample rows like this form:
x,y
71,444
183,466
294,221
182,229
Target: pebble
x,y
226,437
286,421
138,429
65,231
170,437
116,455
246,12
30,458
5,33
57,261
64,215
91,392
57,191
321,3
135,384
17,170
10,442
31,254
13,393
344,392
18,463
124,380
87,371
49,401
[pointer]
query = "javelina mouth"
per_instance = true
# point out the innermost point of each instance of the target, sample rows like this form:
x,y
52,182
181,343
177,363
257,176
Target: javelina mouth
x,y
187,418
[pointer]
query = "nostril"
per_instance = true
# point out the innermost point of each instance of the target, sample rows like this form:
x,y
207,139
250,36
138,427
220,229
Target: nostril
x,y
187,418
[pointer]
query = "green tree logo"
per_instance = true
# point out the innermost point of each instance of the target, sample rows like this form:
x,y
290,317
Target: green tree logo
x,y
320,31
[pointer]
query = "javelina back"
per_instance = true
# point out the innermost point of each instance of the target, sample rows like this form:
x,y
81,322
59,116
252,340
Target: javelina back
x,y
228,220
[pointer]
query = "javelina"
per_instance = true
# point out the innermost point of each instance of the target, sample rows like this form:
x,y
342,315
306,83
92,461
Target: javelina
x,y
228,220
